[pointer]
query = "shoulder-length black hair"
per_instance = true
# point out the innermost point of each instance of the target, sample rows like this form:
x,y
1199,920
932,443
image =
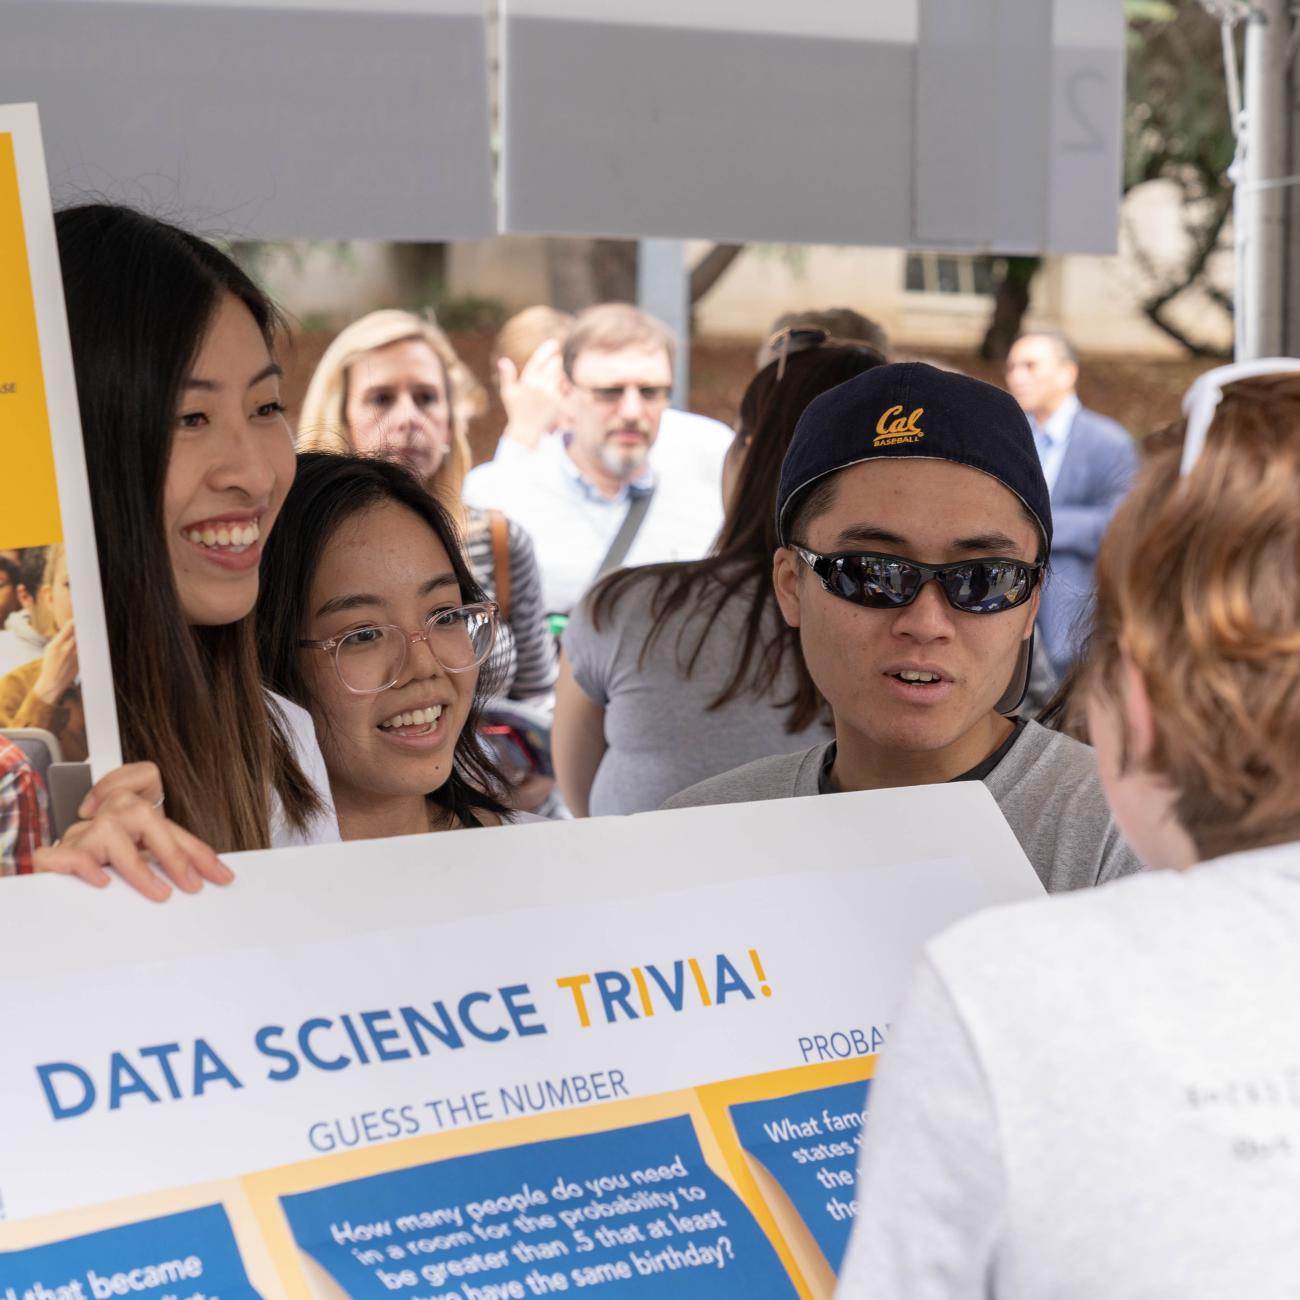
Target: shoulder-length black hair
x,y
740,565
140,295
328,490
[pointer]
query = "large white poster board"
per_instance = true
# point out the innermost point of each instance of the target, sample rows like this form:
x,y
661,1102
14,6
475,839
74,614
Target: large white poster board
x,y
517,1048
282,119
44,494
993,125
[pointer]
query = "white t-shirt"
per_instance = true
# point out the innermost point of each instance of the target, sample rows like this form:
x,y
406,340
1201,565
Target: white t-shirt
x,y
572,525
687,446
1095,1095
693,446
323,828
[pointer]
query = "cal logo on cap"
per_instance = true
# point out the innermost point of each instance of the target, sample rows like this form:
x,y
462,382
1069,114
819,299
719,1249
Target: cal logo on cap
x,y
893,427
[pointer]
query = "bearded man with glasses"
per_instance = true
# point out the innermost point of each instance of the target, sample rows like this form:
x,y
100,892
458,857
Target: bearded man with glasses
x,y
915,525
589,497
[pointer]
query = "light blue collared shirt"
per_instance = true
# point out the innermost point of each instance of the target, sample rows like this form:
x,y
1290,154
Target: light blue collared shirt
x,y
1053,437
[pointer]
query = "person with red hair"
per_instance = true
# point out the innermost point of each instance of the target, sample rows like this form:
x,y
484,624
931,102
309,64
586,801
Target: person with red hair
x,y
1098,1095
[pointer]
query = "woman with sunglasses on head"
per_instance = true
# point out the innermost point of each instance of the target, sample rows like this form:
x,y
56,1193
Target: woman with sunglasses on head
x,y
1145,1142
370,619
674,672
189,459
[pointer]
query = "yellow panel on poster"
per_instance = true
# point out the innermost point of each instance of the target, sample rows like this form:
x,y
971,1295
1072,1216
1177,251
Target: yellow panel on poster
x,y
29,499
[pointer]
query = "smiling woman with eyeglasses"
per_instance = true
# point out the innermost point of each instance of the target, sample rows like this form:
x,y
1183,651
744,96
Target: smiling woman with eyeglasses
x,y
370,618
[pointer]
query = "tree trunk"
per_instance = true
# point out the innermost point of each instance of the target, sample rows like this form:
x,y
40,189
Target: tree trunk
x,y
1010,302
420,273
583,272
711,268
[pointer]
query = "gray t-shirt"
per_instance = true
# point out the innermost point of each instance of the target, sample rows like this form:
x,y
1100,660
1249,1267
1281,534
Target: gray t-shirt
x,y
661,733
1047,788
1095,1096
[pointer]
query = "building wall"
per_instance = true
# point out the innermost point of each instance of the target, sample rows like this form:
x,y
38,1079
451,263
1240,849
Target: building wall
x,y
1095,300
327,284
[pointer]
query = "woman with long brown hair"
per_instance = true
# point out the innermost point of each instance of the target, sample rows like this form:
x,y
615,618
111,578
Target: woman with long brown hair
x,y
189,460
672,673
1096,1095
370,619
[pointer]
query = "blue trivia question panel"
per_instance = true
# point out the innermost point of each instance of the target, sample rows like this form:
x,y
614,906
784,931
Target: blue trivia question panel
x,y
809,1143
635,1211
190,1256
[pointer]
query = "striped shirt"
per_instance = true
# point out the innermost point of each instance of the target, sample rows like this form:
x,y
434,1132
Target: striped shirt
x,y
525,654
24,815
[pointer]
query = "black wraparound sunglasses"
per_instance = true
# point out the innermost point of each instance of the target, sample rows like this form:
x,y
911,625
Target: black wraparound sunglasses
x,y
878,581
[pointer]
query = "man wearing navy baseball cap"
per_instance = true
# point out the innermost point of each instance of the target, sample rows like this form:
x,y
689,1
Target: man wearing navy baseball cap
x,y
915,525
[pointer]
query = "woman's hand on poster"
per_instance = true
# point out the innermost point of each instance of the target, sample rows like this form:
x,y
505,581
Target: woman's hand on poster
x,y
58,666
125,830
142,779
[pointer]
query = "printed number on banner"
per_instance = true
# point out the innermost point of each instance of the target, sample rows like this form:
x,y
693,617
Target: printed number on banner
x,y
1087,137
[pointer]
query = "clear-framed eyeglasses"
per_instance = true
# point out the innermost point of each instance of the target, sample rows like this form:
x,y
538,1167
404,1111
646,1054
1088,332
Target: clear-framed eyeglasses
x,y
371,659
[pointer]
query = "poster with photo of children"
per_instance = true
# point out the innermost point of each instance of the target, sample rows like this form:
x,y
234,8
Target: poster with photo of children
x,y
56,706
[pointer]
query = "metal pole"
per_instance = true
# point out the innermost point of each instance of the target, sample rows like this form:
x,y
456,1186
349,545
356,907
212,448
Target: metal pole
x,y
663,290
1262,189
1291,328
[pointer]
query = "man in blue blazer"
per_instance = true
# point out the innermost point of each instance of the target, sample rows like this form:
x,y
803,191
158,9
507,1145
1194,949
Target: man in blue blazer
x,y
1089,462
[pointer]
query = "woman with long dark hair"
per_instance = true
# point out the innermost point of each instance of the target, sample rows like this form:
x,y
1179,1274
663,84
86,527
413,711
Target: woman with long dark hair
x,y
189,459
672,673
370,618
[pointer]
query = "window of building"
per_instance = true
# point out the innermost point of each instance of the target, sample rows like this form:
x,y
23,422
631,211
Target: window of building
x,y
952,273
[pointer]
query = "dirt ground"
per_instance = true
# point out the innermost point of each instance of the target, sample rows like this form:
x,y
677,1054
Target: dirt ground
x,y
1142,395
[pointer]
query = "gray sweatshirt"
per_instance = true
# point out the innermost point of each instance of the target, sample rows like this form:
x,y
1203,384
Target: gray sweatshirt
x,y
1047,787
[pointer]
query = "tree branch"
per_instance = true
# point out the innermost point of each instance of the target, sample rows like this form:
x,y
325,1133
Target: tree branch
x,y
1206,241
1157,318
711,268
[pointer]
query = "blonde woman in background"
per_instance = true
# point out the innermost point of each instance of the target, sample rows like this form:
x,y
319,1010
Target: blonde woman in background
x,y
391,385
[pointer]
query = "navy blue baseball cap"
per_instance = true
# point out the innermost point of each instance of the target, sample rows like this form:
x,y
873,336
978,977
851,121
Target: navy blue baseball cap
x,y
910,411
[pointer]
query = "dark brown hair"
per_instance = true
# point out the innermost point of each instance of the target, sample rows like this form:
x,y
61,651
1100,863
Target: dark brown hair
x,y
740,566
1199,586
140,295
